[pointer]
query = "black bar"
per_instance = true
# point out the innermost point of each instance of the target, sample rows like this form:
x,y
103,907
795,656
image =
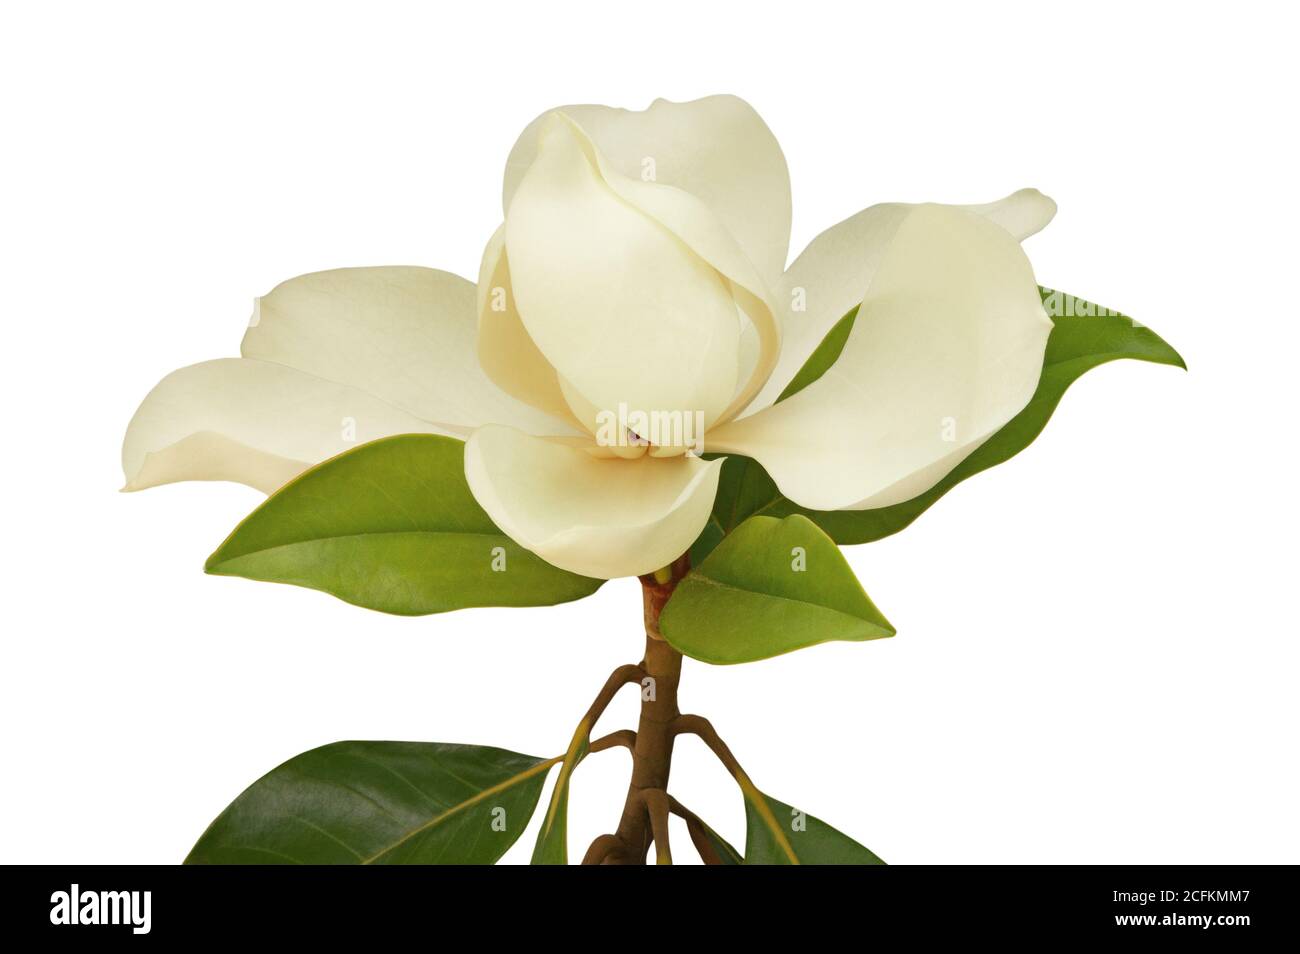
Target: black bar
x,y
1178,904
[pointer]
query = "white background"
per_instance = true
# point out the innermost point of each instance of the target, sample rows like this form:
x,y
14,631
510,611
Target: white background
x,y
1097,650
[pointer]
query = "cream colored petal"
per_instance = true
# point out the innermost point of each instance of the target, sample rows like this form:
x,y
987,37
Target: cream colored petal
x,y
691,221
716,148
603,518
947,347
833,273
403,333
253,422
621,308
1022,213
505,351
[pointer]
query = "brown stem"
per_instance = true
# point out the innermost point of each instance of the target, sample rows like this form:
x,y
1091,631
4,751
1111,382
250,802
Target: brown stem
x,y
652,751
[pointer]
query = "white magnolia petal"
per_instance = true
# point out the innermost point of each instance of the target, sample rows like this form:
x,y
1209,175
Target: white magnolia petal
x,y
621,308
603,518
691,221
505,351
253,422
947,347
716,148
1023,213
834,272
403,333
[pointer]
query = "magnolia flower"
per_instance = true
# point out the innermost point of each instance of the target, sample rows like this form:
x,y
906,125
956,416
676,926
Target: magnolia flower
x,y
632,311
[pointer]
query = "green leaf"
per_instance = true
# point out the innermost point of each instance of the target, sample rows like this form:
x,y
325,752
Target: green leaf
x,y
392,526
776,834
770,587
386,803
1084,336
712,533
823,357
552,847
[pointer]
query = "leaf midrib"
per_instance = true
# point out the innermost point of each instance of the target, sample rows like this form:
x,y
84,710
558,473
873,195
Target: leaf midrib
x,y
768,818
712,581
438,819
217,561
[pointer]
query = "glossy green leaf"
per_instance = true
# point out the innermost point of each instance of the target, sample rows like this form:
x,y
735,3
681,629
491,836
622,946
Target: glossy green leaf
x,y
392,526
1084,336
405,803
776,834
712,533
552,847
770,587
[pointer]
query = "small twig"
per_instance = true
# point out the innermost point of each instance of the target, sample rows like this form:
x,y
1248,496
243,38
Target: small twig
x,y
606,847
657,806
623,737
701,728
619,678
698,831
603,848
681,811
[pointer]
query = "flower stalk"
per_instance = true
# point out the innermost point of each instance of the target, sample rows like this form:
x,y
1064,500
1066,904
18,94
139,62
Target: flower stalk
x,y
646,808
